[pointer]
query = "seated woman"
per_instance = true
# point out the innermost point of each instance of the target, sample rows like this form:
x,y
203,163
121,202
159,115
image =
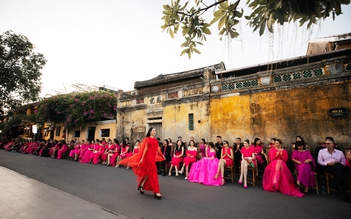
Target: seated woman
x,y
111,159
225,161
191,154
89,145
123,152
272,143
299,138
202,148
258,150
109,148
304,163
75,152
248,158
277,176
204,170
177,157
63,149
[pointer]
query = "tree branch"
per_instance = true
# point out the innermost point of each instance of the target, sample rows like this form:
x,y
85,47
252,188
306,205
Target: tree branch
x,y
202,9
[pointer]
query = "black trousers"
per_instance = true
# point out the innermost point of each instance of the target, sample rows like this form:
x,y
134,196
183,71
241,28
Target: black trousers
x,y
339,171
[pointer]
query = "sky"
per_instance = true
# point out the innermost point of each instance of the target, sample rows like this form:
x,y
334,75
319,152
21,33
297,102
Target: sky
x,y
117,42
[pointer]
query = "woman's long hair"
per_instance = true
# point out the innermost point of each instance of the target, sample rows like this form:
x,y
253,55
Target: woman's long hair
x,y
149,132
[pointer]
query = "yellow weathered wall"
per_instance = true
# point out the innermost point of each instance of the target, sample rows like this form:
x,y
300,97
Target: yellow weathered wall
x,y
84,132
175,121
284,114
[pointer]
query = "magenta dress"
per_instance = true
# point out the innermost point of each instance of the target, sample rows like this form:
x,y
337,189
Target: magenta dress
x,y
202,148
62,150
247,153
277,176
304,170
190,157
204,170
258,153
87,154
75,150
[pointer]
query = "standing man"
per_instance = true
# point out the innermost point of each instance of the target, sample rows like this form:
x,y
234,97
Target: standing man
x,y
219,145
333,162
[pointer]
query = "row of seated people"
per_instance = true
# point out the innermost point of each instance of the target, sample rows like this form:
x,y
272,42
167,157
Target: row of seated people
x,y
209,160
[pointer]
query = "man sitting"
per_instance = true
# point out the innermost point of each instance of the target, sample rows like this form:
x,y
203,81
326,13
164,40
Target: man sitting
x,y
333,162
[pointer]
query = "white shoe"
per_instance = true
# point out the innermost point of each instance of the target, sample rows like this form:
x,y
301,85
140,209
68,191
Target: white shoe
x,y
186,178
181,172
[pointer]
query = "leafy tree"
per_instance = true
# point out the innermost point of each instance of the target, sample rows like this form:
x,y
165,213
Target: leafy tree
x,y
20,71
77,109
226,14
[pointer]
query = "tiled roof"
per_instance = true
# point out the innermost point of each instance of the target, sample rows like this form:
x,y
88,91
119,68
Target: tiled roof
x,y
179,76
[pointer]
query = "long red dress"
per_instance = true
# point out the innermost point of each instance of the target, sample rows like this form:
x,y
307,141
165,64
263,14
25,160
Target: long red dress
x,y
147,168
277,176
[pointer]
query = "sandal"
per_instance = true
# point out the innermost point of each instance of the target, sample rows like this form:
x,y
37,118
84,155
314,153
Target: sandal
x,y
216,176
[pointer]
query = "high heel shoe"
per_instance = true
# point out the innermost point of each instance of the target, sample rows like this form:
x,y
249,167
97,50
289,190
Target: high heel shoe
x,y
245,187
216,176
141,189
240,182
157,196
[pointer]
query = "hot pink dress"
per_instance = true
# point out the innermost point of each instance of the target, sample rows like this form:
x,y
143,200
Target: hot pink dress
x,y
228,160
304,170
258,153
62,150
247,153
204,170
277,176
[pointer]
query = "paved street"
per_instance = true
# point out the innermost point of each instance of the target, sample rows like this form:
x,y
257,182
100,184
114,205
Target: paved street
x,y
115,189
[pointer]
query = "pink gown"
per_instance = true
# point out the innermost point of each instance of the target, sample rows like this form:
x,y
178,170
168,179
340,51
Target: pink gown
x,y
277,176
304,170
97,154
204,170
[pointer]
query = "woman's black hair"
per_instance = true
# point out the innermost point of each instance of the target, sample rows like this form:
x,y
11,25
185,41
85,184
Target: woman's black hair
x,y
177,147
300,143
203,140
255,141
167,142
248,141
149,132
193,142
211,145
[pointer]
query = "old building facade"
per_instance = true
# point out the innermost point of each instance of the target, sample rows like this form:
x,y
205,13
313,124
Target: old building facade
x,y
308,96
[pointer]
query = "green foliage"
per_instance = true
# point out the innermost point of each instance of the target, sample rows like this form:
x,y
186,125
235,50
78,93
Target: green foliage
x,y
20,71
264,14
77,109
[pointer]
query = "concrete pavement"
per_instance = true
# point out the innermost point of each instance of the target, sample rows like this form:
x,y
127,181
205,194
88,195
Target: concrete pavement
x,y
23,197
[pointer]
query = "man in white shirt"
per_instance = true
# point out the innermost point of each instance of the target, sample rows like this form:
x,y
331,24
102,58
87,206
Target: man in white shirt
x,y
333,161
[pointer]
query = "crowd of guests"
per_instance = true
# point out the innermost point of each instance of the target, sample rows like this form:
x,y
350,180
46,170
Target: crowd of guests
x,y
205,163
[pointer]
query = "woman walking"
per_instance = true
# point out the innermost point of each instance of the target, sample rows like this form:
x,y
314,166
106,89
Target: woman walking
x,y
144,164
